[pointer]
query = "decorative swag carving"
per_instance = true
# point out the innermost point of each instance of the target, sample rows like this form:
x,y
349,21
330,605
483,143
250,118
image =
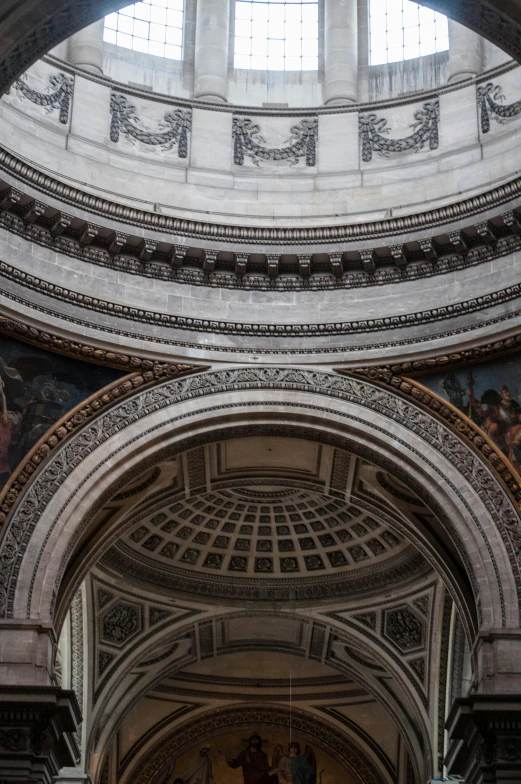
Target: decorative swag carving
x,y
247,140
125,120
489,97
425,130
60,99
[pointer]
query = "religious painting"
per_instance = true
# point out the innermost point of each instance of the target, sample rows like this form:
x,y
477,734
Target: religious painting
x,y
490,395
37,387
263,757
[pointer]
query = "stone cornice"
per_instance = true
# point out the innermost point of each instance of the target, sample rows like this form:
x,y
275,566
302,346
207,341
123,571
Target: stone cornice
x,y
284,350
246,235
161,259
250,329
88,352
303,111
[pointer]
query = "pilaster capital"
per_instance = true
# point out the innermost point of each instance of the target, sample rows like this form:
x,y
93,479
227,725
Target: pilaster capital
x,y
37,726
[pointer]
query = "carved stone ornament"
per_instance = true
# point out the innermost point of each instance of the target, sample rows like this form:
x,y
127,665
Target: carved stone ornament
x,y
177,125
404,629
59,99
88,352
425,130
247,140
490,98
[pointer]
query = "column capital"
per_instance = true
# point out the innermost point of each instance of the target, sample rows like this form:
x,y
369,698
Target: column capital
x,y
485,730
37,726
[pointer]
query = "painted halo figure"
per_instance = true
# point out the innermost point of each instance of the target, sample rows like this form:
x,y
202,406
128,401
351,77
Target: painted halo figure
x,y
295,767
253,761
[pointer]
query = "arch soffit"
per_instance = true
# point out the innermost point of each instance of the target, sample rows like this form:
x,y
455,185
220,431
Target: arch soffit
x,y
113,701
318,385
31,31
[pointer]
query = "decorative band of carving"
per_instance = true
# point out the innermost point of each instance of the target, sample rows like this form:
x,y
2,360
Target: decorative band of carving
x,y
490,104
457,358
425,130
283,350
37,222
248,141
214,326
77,418
86,351
458,422
265,235
60,99
184,737
126,121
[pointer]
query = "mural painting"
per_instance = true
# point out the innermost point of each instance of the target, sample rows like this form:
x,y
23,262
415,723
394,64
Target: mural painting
x,y
267,757
490,395
37,387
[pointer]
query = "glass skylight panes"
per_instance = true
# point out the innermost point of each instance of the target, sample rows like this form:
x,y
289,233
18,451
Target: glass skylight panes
x,y
401,30
276,36
151,26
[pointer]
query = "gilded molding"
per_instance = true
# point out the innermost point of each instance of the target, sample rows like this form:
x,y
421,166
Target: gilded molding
x,y
77,418
87,351
461,425
471,356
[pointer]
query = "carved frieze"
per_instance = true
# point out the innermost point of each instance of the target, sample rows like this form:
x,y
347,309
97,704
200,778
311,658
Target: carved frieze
x,y
174,129
247,141
425,132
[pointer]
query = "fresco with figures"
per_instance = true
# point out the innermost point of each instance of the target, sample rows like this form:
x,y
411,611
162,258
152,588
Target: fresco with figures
x,y
37,387
263,757
490,394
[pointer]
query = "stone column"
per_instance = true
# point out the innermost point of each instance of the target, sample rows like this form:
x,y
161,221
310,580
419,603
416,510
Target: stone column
x,y
464,53
212,33
37,726
340,51
86,48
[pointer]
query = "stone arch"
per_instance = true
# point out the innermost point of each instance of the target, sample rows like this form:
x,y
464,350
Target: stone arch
x,y
115,701
49,531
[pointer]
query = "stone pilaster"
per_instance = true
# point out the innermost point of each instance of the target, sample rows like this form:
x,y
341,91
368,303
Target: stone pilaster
x,y
465,59
485,735
340,51
212,31
86,48
37,728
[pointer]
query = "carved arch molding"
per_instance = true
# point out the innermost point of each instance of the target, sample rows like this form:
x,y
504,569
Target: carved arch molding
x,y
49,477
337,744
30,28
